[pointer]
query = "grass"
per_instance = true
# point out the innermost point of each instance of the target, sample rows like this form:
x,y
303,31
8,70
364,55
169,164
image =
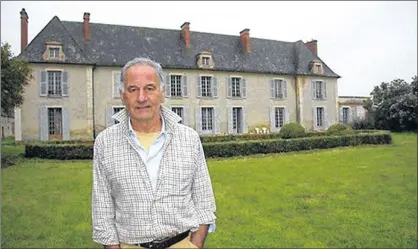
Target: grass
x,y
341,198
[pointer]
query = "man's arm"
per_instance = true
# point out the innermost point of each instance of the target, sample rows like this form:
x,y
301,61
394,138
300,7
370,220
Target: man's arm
x,y
103,212
203,197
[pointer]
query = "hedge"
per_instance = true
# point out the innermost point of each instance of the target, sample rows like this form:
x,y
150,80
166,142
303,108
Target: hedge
x,y
226,149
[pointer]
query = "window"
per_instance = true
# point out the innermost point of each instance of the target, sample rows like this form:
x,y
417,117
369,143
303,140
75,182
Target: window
x,y
207,118
175,85
54,83
205,60
237,119
179,111
55,123
116,110
345,115
236,87
278,117
278,89
206,84
54,52
319,89
319,116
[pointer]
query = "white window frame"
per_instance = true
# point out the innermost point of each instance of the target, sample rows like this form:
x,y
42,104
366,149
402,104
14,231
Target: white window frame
x,y
348,114
113,112
206,58
281,90
171,86
47,70
322,89
284,117
241,79
183,110
56,54
211,85
323,117
62,117
212,131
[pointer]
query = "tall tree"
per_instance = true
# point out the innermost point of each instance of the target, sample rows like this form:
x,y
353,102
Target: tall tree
x,y
15,75
393,105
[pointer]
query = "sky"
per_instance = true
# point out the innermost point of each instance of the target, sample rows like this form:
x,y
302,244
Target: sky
x,y
366,43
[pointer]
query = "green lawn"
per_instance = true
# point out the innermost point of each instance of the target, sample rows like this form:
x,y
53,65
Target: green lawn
x,y
345,197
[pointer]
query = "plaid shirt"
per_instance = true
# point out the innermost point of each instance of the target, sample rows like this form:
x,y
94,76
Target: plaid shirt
x,y
124,206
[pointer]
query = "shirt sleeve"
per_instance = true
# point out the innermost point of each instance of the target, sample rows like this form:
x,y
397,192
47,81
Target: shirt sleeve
x,y
103,210
202,192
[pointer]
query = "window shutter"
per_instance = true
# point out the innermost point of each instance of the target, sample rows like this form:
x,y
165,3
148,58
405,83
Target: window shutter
x,y
229,80
109,113
341,115
350,115
43,123
313,90
287,115
43,83
185,115
185,92
230,121
217,120
168,86
198,86
66,124
244,88
272,87
244,120
198,120
64,83
315,127
272,122
214,87
116,80
326,121
325,89
285,89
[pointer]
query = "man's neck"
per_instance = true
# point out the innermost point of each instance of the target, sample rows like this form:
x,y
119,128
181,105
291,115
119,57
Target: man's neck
x,y
154,125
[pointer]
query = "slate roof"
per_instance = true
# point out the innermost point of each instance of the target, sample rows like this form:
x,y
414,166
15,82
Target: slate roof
x,y
114,45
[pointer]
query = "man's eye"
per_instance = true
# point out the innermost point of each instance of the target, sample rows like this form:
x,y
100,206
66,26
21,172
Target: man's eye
x,y
131,89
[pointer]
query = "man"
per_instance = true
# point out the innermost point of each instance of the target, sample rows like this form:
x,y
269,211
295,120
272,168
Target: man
x,y
151,186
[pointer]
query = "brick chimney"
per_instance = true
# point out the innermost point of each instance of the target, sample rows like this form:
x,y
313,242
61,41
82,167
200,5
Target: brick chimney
x,y
245,40
185,34
313,46
86,26
23,29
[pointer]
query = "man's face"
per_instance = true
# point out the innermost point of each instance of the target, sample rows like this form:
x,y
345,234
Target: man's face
x,y
142,96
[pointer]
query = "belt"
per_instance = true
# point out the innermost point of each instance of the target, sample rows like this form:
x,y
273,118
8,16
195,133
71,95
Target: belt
x,y
165,243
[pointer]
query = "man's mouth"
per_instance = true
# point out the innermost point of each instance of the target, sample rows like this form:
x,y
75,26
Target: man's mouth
x,y
142,107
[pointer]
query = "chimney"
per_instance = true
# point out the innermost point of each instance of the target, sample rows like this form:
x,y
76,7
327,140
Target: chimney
x,y
313,46
245,40
86,26
185,33
23,29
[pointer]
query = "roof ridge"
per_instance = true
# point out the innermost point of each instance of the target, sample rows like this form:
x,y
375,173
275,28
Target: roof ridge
x,y
178,30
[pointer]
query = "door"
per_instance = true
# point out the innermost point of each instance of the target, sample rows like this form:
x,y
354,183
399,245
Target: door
x,y
55,123
237,119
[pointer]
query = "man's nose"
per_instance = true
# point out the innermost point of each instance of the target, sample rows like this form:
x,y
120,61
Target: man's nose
x,y
141,97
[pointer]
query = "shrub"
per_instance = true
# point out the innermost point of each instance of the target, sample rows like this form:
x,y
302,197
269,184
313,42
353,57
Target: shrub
x,y
226,149
292,130
339,129
362,124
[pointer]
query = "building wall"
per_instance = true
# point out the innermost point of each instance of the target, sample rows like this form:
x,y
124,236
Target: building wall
x,y
78,102
7,127
355,105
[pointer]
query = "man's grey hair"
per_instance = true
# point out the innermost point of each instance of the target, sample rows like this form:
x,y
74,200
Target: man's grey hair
x,y
142,61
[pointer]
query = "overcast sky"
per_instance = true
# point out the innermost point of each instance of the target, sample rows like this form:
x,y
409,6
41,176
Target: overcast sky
x,y
364,42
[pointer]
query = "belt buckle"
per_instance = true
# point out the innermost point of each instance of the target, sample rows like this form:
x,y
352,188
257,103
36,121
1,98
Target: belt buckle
x,y
157,244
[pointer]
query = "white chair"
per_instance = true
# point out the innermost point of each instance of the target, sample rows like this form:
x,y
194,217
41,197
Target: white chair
x,y
265,131
257,130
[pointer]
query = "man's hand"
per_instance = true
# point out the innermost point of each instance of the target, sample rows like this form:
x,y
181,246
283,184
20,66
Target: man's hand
x,y
198,237
112,247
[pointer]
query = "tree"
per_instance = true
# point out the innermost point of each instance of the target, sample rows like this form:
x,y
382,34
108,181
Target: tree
x,y
15,75
393,105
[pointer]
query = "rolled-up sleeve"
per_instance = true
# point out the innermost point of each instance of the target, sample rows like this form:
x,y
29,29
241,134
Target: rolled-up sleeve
x,y
103,210
202,191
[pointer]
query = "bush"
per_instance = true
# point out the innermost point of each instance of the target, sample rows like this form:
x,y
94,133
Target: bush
x,y
226,149
362,124
237,137
8,160
292,130
339,129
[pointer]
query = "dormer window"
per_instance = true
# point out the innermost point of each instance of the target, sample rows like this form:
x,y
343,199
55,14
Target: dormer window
x,y
205,60
53,51
316,67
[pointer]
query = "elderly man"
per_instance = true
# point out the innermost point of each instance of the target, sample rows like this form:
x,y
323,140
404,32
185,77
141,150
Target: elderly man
x,y
151,185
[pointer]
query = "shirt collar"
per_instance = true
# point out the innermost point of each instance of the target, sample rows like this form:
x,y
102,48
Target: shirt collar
x,y
163,130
